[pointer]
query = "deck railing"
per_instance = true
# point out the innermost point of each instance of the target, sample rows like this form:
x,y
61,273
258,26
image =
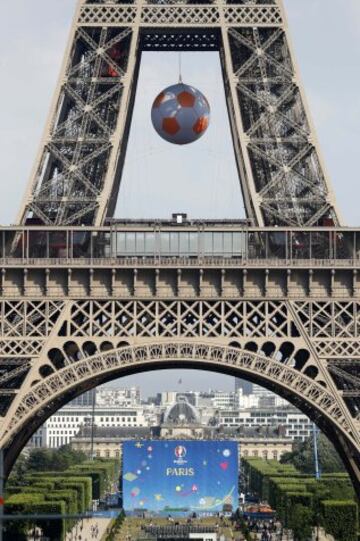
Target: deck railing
x,y
189,244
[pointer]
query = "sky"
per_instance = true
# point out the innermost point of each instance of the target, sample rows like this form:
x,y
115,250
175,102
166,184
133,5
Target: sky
x,y
201,179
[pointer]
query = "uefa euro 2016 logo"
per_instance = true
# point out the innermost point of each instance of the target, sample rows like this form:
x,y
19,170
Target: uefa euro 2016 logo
x,y
180,451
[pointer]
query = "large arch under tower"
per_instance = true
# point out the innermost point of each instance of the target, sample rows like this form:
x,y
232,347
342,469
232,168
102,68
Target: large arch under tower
x,y
311,397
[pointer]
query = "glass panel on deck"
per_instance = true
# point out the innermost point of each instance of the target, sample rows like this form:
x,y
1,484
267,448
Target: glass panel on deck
x,y
322,245
15,243
140,243
81,244
207,243
194,244
149,244
275,242
2,244
344,244
184,243
300,243
121,244
217,243
37,243
164,244
227,244
357,245
257,245
58,247
130,244
174,243
101,244
239,244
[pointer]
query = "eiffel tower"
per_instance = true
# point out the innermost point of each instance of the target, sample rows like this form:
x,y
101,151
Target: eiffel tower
x,y
85,298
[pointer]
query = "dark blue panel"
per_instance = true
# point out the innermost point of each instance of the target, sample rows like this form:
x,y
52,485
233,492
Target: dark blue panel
x,y
180,476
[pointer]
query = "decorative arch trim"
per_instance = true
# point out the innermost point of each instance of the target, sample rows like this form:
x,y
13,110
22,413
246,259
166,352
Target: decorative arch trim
x,y
204,355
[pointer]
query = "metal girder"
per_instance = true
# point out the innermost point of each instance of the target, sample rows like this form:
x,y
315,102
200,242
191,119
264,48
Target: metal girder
x,y
8,375
351,394
78,171
79,141
284,334
282,376
346,376
284,176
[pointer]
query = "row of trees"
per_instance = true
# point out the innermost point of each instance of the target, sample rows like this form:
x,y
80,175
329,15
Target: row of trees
x,y
67,488
302,457
40,460
303,502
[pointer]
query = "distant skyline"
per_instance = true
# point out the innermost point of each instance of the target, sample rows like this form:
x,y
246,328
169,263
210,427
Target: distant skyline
x,y
158,381
159,179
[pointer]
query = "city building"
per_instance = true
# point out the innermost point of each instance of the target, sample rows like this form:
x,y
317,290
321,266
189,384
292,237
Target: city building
x,y
61,427
86,399
294,424
169,397
118,397
123,408
107,441
244,385
225,400
182,420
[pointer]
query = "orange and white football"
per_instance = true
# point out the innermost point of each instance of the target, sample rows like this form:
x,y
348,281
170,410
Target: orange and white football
x,y
180,114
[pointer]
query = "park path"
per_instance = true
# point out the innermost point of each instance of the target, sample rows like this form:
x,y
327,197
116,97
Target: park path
x,y
86,532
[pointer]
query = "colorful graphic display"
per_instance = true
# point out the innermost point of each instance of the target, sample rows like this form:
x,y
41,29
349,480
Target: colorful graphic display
x,y
180,477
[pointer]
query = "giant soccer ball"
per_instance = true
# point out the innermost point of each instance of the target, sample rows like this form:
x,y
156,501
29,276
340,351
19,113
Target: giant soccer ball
x,y
180,114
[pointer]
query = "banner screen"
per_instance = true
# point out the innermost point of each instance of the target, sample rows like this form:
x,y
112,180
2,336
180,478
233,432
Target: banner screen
x,y
180,477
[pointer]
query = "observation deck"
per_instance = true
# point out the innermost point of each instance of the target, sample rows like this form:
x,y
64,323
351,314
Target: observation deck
x,y
163,259
144,243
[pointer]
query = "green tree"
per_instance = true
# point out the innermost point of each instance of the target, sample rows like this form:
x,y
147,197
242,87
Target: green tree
x,y
302,457
19,470
40,460
66,457
340,519
300,522
57,459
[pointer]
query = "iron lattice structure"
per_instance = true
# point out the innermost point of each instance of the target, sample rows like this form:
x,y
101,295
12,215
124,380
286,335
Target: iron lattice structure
x,y
78,171
277,303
